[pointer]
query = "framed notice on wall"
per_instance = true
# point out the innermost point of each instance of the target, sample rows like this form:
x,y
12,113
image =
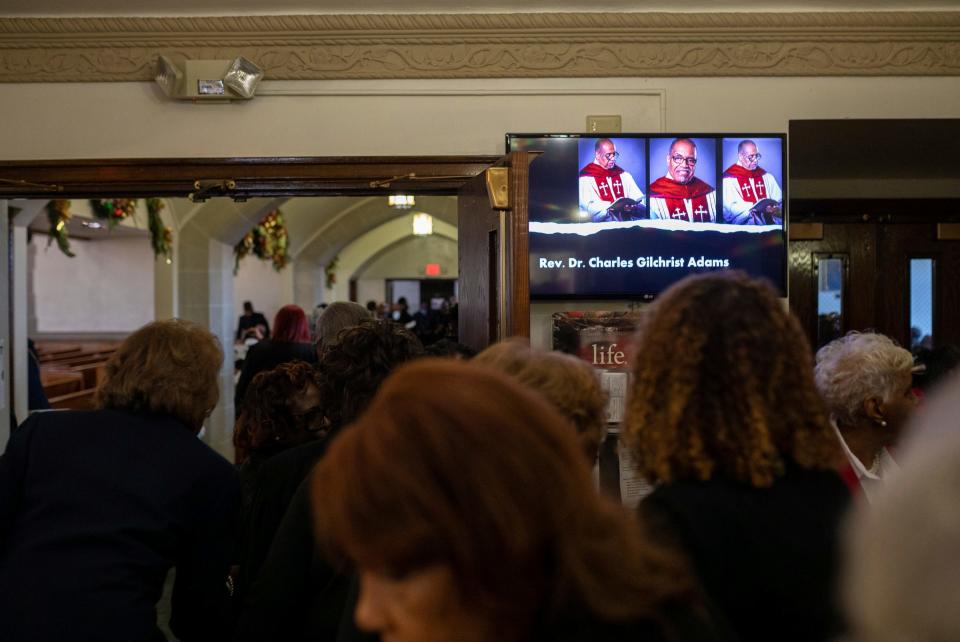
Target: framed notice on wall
x,y
605,341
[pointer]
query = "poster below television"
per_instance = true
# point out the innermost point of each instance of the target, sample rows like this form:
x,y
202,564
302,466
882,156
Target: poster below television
x,y
626,216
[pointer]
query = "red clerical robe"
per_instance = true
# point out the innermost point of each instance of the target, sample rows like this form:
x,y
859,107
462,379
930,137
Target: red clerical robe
x,y
742,189
753,193
695,201
609,190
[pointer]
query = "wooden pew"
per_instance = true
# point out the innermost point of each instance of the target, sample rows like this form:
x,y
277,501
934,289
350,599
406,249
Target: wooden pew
x,y
92,373
71,371
80,400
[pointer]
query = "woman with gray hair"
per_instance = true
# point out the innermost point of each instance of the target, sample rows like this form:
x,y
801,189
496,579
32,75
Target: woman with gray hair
x,y
866,380
338,316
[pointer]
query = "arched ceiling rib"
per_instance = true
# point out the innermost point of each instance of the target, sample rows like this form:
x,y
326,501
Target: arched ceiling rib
x,y
344,223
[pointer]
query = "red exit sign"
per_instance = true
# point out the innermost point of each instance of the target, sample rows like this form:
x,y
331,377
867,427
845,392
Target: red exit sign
x,y
432,269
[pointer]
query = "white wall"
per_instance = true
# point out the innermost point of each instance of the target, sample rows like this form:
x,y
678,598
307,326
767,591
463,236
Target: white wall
x,y
371,290
410,290
106,288
350,118
256,281
408,259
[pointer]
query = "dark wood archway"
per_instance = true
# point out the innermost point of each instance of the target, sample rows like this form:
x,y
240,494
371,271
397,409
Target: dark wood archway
x,y
244,178
238,178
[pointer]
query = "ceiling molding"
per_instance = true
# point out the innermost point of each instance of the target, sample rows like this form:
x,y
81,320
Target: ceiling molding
x,y
321,47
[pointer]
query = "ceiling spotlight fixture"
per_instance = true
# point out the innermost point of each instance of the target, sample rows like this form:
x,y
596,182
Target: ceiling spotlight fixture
x,y
208,79
401,201
422,224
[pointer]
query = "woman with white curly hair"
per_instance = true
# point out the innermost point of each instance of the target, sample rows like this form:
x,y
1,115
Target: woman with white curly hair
x,y
865,379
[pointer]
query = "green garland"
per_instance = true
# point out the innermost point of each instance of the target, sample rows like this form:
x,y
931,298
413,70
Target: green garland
x,y
58,213
113,210
161,236
330,271
267,241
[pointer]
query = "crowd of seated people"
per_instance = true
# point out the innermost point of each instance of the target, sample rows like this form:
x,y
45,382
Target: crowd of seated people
x,y
382,492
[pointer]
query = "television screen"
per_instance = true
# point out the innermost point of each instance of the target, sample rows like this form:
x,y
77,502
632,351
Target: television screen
x,y
625,216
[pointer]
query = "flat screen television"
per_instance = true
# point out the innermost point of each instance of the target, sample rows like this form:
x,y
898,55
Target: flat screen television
x,y
625,216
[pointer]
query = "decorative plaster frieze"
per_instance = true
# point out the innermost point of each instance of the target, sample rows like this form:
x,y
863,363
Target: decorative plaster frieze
x,y
491,45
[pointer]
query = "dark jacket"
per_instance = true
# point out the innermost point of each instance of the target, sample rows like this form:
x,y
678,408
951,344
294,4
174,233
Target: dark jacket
x,y
95,508
277,481
767,557
297,595
265,356
252,321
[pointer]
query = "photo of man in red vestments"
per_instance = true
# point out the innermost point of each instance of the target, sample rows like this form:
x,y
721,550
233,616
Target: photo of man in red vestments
x,y
679,195
607,191
751,194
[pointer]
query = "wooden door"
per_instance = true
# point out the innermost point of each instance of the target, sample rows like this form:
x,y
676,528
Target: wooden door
x,y
877,260
855,246
900,247
494,253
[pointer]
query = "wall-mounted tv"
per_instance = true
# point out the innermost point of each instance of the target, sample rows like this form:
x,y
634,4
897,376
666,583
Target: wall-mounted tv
x,y
624,216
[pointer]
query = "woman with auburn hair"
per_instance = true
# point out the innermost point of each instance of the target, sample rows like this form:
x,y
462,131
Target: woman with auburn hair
x,y
97,506
290,342
724,415
468,508
568,383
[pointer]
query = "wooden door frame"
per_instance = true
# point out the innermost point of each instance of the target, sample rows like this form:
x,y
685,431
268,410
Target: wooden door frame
x,y
238,178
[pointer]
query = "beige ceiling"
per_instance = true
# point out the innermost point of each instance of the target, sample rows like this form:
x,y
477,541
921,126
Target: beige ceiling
x,y
320,227
259,7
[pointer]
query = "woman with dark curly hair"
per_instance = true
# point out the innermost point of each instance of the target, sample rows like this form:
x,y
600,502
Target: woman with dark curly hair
x,y
467,505
96,506
280,410
724,416
292,598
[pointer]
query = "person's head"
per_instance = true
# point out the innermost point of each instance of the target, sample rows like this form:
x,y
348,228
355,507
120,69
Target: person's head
x,y
935,365
568,383
747,155
605,153
468,508
371,306
901,581
682,160
402,303
866,380
338,316
723,385
165,367
247,307
278,409
290,325
355,366
450,348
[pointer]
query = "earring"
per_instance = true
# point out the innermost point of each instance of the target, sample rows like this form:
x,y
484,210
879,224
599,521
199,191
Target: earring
x,y
883,423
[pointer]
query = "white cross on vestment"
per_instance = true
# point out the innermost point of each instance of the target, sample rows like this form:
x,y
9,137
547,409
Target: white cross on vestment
x,y
679,213
761,190
604,189
746,189
617,184
700,211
